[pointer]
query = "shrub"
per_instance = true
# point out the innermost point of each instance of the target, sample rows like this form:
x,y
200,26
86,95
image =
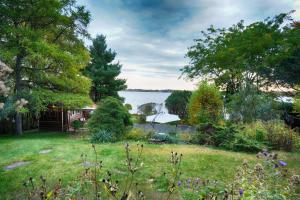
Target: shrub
x,y
255,131
248,105
240,143
177,103
281,137
205,104
76,124
112,116
210,134
185,137
136,134
102,136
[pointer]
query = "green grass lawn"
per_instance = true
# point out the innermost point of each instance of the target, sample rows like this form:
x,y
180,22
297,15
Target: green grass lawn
x,y
64,161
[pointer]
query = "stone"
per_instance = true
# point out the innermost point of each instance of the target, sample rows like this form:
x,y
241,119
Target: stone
x,y
88,164
16,164
45,151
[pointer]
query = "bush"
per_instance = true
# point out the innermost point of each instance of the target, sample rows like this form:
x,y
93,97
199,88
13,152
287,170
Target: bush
x,y
255,131
248,105
205,105
185,137
273,133
210,134
102,136
136,134
112,116
240,143
281,137
76,124
177,103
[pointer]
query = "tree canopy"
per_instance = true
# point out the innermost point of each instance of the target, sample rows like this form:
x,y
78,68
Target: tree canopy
x,y
42,42
103,71
261,53
177,103
205,105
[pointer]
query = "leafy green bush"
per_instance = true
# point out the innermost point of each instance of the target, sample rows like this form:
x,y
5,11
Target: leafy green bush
x,y
273,133
240,143
136,134
102,136
177,103
112,116
255,131
281,137
76,124
210,134
205,105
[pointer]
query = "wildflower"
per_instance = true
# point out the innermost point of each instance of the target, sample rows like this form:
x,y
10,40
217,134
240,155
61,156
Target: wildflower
x,y
282,163
179,183
241,191
276,165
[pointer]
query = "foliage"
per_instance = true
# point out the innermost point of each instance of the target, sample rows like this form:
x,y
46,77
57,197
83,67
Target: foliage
x,y
241,143
147,109
103,71
268,178
281,137
205,104
177,103
256,53
110,115
273,133
136,134
210,134
128,106
248,105
102,136
255,131
46,50
76,124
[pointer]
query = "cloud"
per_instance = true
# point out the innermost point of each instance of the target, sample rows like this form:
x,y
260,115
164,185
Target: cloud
x,y
151,37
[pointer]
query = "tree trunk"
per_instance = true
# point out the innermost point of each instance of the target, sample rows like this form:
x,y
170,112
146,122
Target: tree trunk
x,y
19,123
18,115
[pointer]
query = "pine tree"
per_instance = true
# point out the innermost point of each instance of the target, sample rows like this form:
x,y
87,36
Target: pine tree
x,y
103,71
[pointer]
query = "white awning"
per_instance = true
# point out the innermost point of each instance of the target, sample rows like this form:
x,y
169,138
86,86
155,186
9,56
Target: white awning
x,y
162,118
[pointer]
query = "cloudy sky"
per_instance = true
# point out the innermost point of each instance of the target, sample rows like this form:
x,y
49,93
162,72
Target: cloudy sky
x,y
151,37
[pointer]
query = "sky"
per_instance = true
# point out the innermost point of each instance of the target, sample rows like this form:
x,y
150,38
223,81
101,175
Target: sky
x,y
151,37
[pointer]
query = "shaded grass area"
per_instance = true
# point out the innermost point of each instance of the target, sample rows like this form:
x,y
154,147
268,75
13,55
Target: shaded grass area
x,y
65,162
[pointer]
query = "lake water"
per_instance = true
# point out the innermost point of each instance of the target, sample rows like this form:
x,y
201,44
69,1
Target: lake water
x,y
136,99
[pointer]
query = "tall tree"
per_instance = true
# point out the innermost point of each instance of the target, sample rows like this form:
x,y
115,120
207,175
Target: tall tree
x,y
177,103
240,54
103,71
42,42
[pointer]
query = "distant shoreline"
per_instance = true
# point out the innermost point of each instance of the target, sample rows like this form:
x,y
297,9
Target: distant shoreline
x,y
145,90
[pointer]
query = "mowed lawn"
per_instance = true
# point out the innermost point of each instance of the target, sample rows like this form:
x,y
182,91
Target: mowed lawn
x,y
65,162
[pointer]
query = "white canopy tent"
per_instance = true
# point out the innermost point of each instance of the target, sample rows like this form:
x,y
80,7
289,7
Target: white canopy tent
x,y
162,118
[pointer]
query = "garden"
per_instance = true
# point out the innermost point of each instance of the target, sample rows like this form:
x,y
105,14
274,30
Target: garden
x,y
66,133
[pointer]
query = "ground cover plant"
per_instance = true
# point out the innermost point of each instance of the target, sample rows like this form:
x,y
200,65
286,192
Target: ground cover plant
x,y
65,163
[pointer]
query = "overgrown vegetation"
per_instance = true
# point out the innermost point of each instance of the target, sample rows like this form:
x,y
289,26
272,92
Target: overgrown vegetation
x,y
269,179
110,116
